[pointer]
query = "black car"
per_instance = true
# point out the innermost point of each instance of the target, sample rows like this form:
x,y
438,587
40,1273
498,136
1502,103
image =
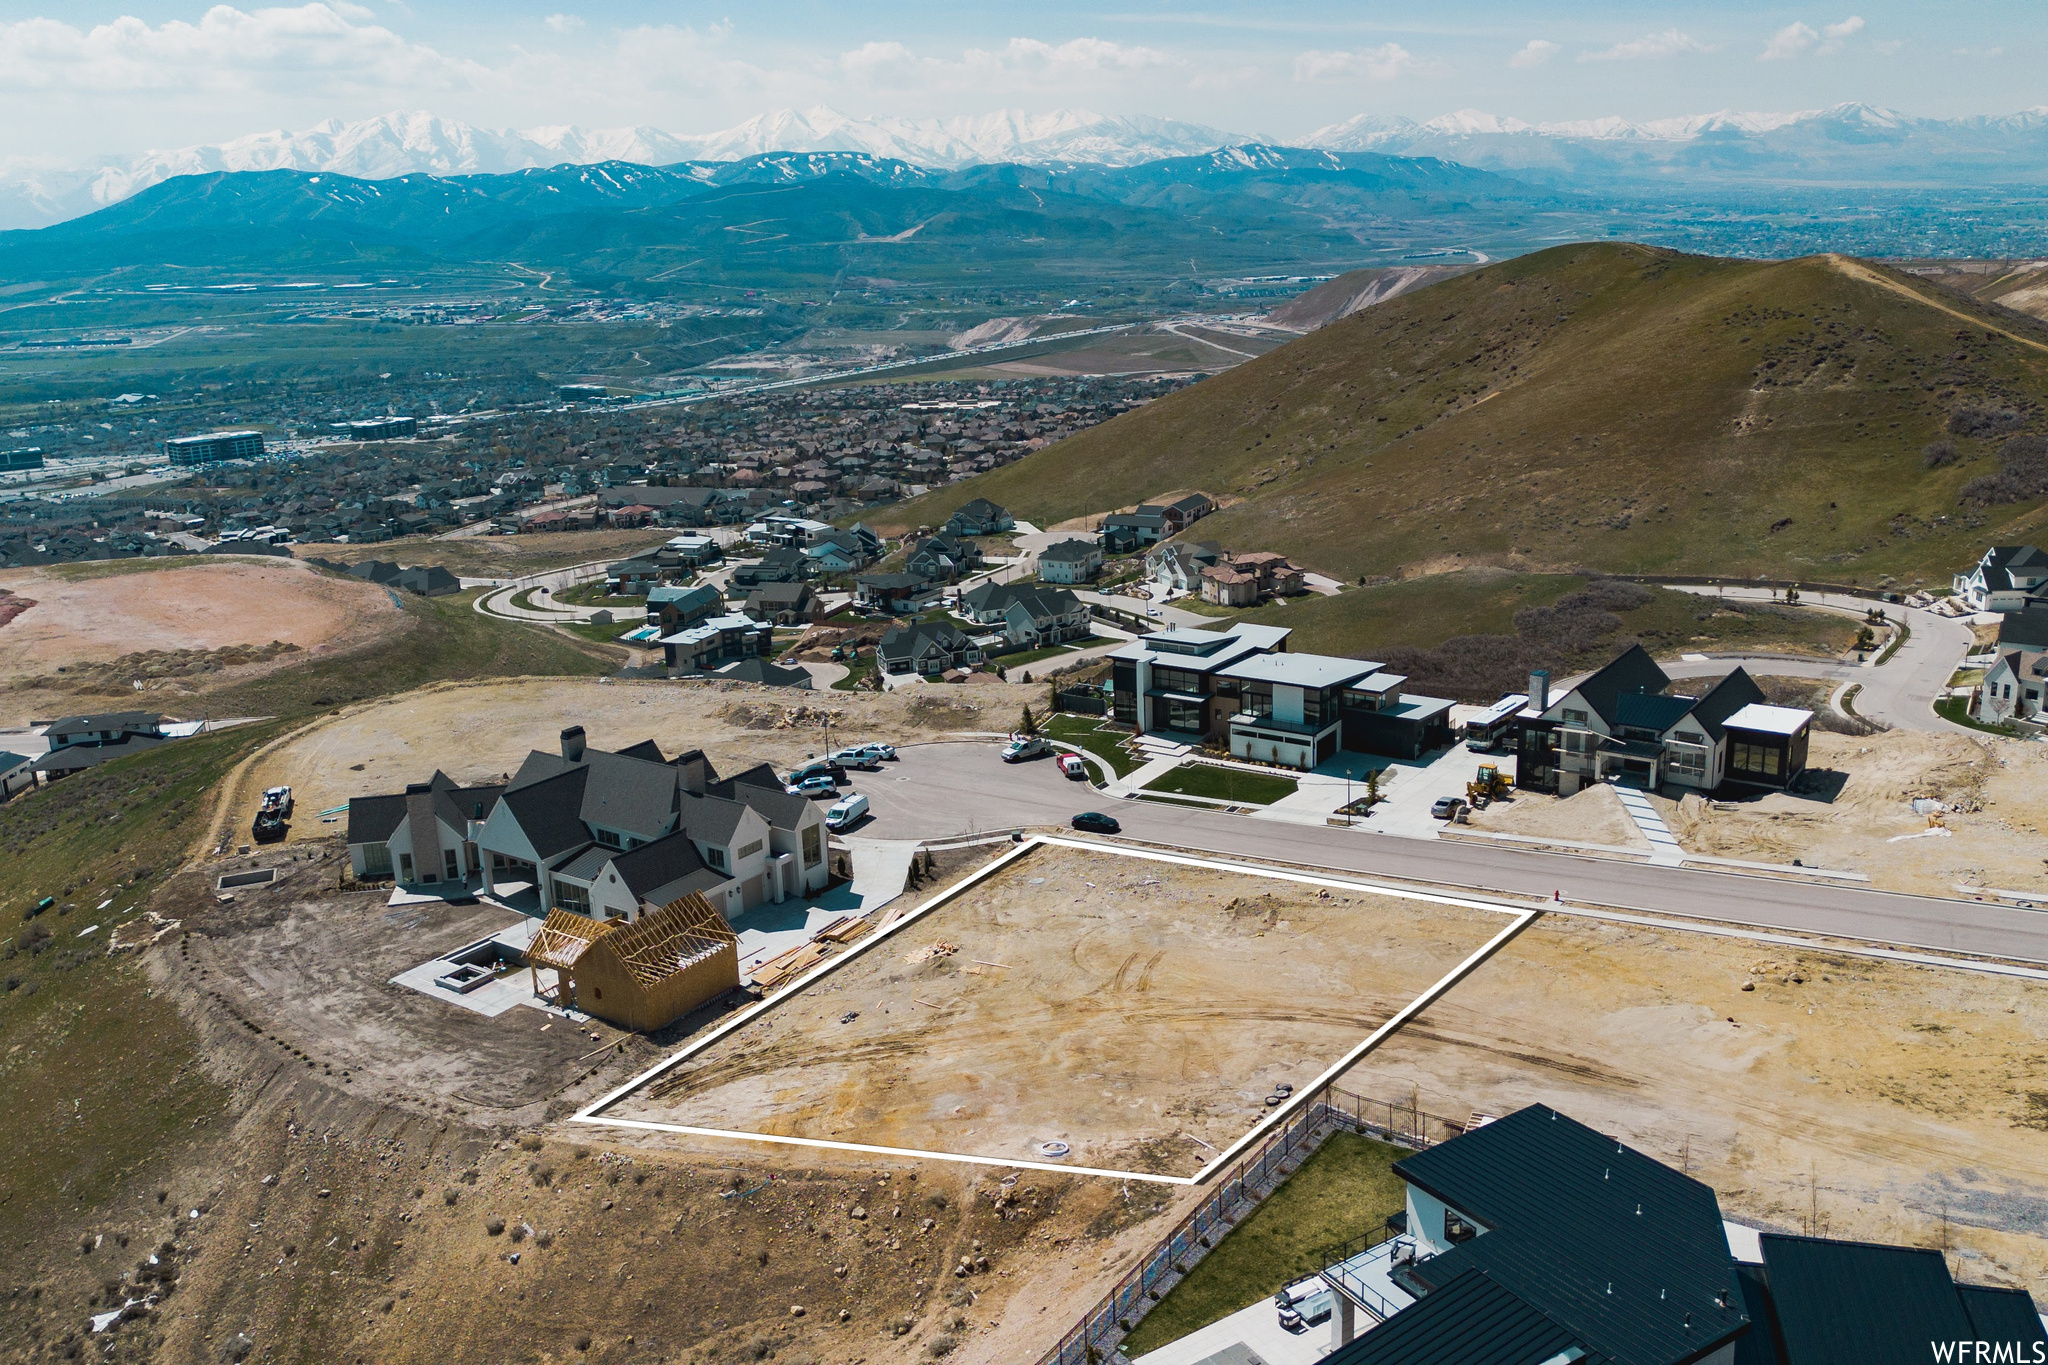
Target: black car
x,y
819,767
1095,822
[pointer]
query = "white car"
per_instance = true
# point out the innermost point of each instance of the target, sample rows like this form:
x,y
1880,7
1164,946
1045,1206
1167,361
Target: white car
x,y
881,753
1022,747
1074,766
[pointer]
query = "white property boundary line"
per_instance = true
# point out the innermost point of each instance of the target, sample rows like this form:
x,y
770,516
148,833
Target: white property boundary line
x,y
1300,1099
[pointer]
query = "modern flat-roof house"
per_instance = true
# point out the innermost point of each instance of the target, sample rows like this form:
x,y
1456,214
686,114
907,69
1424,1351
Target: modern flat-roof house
x,y
715,641
1240,685
1534,1240
1070,561
2007,578
694,551
2017,679
780,565
980,518
895,593
602,835
1619,724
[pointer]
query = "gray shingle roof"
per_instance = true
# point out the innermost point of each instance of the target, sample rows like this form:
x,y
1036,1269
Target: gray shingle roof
x,y
1633,671
374,819
664,864
549,810
711,819
2028,629
1728,696
633,795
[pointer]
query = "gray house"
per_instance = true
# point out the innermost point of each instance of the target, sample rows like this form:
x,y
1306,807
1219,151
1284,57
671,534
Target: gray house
x,y
928,648
980,518
603,835
1070,561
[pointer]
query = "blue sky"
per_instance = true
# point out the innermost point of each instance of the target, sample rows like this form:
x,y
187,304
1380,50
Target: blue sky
x,y
79,77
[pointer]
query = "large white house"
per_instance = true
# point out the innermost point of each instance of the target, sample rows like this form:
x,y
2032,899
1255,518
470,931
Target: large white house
x,y
601,834
2007,578
2016,681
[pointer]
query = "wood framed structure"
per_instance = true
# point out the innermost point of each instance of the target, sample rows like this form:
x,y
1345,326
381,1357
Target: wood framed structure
x,y
642,975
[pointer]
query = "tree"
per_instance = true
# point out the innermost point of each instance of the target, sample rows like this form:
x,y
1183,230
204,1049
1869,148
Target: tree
x,y
1372,787
1791,597
1028,723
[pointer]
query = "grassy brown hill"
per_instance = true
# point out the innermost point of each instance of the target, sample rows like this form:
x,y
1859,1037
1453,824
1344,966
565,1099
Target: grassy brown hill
x,y
1611,406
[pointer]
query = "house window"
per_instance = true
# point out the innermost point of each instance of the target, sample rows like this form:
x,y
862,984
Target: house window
x,y
376,860
1177,680
1256,699
1572,717
1686,760
715,856
751,849
575,899
1754,758
608,838
813,846
451,865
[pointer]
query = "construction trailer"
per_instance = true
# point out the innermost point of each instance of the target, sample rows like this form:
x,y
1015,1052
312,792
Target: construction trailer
x,y
638,976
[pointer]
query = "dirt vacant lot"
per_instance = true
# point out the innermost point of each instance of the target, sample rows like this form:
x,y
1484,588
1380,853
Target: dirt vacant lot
x,y
92,616
1878,1100
1139,1011
1993,829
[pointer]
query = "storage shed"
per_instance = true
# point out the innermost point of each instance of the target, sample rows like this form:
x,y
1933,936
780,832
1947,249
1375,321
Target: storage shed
x,y
642,975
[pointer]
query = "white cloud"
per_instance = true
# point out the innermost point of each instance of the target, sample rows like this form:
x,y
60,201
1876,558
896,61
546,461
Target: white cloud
x,y
1387,62
1791,41
563,23
312,49
1539,51
1669,43
1797,39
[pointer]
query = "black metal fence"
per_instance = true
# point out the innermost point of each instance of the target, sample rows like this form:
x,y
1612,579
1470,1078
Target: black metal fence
x,y
1084,701
1096,1338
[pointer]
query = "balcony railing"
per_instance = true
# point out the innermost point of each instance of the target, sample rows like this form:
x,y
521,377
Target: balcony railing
x,y
1365,1276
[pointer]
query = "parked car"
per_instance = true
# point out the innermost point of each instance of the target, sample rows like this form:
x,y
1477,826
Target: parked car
x,y
278,799
1095,822
856,758
269,827
1303,1305
818,767
1447,807
1073,766
817,784
1022,747
846,812
881,753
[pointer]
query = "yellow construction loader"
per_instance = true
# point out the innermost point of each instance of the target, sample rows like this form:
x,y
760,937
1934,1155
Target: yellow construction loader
x,y
1491,785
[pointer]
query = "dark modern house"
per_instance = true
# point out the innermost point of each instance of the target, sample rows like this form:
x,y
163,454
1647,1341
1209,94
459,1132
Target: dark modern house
x,y
1240,685
1535,1240
1620,724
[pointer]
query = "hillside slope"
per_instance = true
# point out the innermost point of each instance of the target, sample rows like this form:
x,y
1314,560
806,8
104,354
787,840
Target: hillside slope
x,y
1611,406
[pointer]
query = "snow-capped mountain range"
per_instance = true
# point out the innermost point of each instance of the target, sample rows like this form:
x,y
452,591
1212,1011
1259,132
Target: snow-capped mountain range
x,y
1849,143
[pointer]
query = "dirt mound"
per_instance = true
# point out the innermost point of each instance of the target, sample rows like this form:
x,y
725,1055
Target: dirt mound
x,y
150,669
755,715
13,605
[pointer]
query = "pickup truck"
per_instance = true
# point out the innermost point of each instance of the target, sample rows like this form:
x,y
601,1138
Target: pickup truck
x,y
1022,747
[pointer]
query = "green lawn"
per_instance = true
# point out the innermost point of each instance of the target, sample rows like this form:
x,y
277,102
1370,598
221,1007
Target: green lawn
x,y
855,672
1224,784
1012,662
1957,709
1347,1188
1082,733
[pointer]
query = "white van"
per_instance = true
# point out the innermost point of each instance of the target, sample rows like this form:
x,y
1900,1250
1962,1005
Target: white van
x,y
846,812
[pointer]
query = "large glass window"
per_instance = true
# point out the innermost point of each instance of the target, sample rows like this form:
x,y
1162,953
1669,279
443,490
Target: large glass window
x,y
1687,760
1184,715
1177,680
1257,699
575,899
813,845
750,850
1754,758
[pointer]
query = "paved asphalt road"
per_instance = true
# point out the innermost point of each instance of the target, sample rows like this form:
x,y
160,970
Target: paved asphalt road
x,y
1901,692
941,790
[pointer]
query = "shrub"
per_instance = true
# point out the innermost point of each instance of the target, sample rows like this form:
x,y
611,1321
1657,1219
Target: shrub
x,y
1976,421
2022,474
1938,455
